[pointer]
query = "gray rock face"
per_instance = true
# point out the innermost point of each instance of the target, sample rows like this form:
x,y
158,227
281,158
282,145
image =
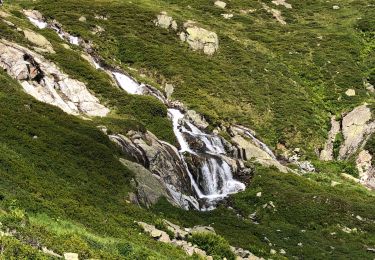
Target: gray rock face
x,y
45,82
163,161
356,126
199,38
150,188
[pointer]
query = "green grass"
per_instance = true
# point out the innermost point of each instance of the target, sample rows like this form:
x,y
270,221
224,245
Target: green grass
x,y
69,174
263,73
307,210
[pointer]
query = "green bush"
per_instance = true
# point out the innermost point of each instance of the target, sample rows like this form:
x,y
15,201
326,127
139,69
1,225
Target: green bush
x,y
214,245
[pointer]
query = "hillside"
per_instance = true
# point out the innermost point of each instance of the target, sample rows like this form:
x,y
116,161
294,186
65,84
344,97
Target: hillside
x,y
264,133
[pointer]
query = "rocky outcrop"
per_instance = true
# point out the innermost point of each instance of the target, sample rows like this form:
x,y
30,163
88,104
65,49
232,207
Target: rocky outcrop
x,y
163,161
199,38
356,126
165,21
365,169
150,187
179,237
44,81
327,153
275,13
248,147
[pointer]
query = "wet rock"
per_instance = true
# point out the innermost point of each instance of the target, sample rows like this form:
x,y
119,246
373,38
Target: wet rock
x,y
199,38
163,160
35,14
197,119
149,187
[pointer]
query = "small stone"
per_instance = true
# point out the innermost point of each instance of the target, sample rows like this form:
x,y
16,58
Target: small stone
x,y
82,19
259,194
335,7
359,218
350,92
300,244
272,251
220,4
227,16
71,256
282,251
335,183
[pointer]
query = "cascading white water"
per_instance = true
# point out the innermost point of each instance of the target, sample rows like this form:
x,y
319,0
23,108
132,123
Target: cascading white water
x,y
216,175
38,23
127,84
217,179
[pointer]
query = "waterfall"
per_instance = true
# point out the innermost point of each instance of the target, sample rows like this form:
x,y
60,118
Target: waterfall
x,y
127,84
38,23
215,178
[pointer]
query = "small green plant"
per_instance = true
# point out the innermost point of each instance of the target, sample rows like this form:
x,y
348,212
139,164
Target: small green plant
x,y
214,245
339,139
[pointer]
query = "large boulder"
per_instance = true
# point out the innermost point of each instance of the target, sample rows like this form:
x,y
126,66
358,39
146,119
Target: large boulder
x,y
39,40
199,38
150,188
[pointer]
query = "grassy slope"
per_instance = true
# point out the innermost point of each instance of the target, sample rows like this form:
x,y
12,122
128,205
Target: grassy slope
x,y
76,202
307,211
59,174
263,73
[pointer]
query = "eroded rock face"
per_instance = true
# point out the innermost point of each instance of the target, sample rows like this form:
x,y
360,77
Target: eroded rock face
x,y
45,82
163,161
356,126
199,38
327,153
